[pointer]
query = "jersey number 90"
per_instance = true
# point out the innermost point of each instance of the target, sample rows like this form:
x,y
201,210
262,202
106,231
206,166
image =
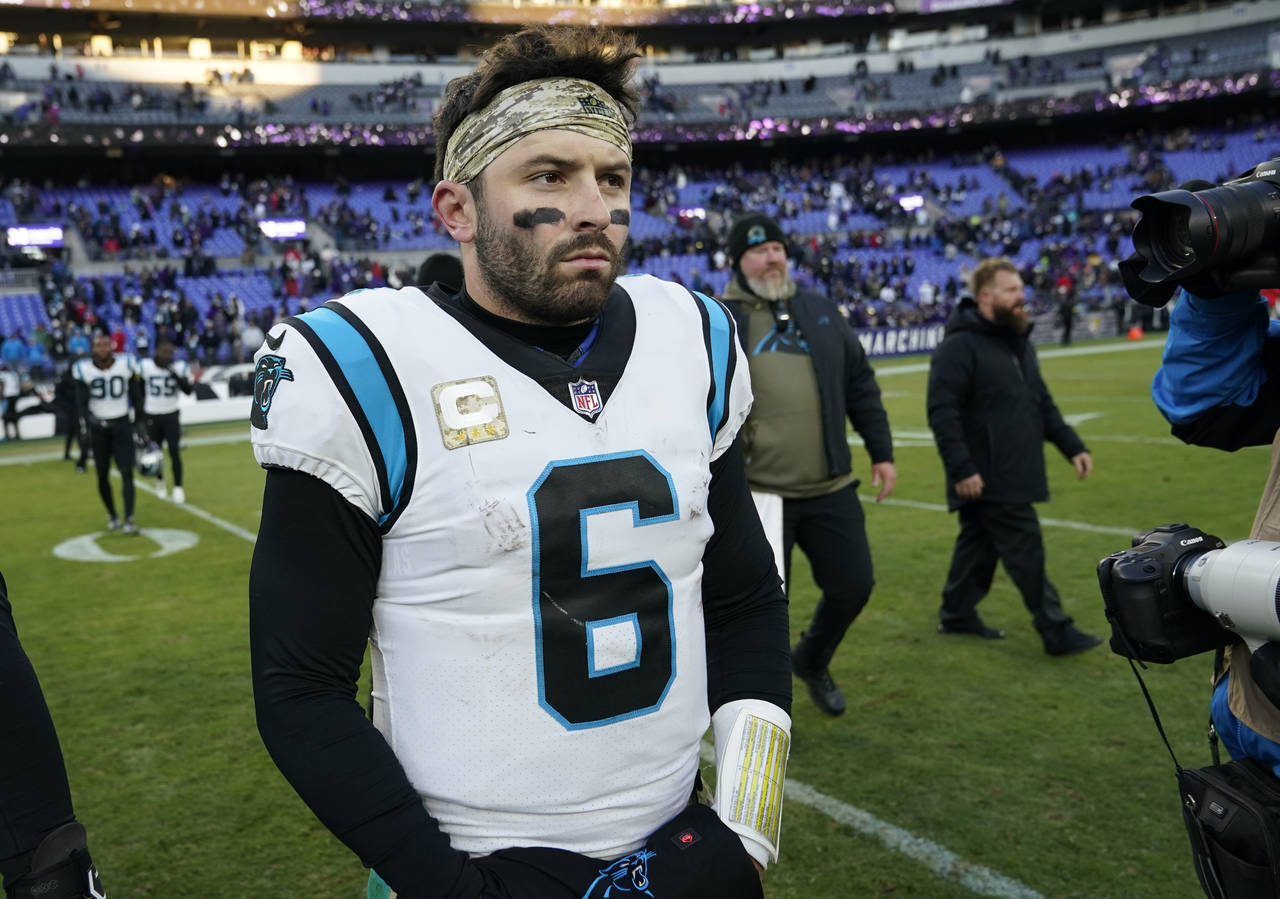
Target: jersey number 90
x,y
605,636
101,388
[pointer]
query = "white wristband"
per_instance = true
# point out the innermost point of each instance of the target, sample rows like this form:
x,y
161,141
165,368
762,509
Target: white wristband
x,y
753,741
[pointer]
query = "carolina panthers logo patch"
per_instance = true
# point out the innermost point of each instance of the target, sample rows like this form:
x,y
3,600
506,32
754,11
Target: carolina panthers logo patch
x,y
266,378
627,876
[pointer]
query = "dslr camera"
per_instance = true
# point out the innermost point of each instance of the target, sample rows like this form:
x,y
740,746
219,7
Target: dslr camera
x,y
1211,239
1178,592
1175,593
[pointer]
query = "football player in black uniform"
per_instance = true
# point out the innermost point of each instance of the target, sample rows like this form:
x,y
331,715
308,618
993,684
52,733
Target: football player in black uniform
x,y
109,383
162,378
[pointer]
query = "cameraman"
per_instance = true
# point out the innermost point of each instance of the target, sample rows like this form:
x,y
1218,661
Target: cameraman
x,y
1219,386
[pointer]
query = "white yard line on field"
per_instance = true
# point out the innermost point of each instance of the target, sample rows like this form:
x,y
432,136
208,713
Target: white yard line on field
x,y
912,367
51,455
1051,522
140,483
910,438
938,859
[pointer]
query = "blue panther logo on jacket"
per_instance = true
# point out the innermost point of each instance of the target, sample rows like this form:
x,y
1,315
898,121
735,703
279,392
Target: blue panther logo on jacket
x,y
629,874
267,376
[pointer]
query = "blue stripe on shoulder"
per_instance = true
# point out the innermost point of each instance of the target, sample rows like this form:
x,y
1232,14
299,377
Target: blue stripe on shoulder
x,y
721,351
369,384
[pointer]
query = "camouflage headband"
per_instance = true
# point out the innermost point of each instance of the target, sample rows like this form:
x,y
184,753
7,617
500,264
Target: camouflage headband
x,y
569,103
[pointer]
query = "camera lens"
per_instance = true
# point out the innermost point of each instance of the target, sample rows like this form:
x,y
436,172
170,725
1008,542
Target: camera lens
x,y
1182,233
1171,240
1174,234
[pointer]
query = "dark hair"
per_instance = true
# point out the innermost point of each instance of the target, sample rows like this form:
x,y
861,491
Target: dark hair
x,y
600,55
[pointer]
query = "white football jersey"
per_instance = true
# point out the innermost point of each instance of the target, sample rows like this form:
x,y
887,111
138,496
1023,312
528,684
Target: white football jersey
x,y
108,387
539,664
161,385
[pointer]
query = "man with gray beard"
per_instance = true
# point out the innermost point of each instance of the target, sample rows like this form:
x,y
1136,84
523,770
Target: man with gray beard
x,y
809,374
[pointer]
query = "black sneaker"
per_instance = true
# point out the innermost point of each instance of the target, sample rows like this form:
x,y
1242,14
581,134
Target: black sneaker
x,y
976,628
822,688
1067,641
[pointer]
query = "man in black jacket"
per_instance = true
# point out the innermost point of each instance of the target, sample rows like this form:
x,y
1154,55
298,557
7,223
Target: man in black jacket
x,y
990,411
808,374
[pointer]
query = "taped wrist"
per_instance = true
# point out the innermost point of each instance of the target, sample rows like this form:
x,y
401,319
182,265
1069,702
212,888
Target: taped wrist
x,y
753,742
60,869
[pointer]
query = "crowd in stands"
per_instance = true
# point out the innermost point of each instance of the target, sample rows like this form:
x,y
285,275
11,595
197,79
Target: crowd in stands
x,y
399,95
1061,215
141,305
396,112
625,15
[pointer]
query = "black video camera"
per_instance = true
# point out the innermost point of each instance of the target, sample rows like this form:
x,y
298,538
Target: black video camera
x,y
1213,240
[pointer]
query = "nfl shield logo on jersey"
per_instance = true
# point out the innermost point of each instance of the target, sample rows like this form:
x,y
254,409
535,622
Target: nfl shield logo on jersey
x,y
586,398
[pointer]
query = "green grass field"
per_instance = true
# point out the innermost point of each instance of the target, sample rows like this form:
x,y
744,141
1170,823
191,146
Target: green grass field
x,y
956,755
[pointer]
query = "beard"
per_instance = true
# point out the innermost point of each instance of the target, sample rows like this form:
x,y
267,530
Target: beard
x,y
528,283
773,286
1014,319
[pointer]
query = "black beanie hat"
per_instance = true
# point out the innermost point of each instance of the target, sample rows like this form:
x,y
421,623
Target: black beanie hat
x,y
752,229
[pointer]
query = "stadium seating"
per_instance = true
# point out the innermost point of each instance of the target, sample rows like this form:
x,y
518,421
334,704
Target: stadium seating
x,y
676,239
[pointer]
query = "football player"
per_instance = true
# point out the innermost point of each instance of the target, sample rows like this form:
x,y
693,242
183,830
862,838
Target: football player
x,y
527,496
108,384
43,852
162,378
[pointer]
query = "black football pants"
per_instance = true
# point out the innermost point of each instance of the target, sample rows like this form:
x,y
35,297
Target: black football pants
x,y
831,531
164,430
1009,533
34,796
113,439
693,856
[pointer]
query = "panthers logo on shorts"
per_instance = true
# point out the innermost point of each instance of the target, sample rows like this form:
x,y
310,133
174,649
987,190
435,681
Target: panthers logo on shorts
x,y
628,875
266,378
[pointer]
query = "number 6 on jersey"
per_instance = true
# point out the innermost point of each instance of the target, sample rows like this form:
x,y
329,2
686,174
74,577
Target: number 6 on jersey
x,y
605,636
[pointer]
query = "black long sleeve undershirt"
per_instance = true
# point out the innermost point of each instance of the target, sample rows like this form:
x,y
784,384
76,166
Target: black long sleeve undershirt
x,y
314,575
311,588
744,606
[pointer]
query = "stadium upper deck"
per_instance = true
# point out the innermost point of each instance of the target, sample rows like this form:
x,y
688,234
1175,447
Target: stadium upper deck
x,y
898,84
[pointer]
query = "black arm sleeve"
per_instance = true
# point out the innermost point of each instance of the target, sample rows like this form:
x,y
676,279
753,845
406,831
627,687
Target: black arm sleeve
x,y
311,588
748,650
1233,427
82,400
137,396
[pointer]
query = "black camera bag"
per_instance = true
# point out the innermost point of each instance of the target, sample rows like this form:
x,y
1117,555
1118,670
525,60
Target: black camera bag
x,y
1232,815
